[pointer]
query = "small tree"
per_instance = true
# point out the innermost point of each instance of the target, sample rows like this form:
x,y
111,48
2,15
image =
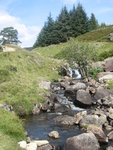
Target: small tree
x,y
9,36
81,53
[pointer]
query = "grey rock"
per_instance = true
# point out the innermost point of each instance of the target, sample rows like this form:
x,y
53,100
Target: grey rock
x,y
83,97
109,65
98,132
101,92
92,119
65,120
110,135
85,141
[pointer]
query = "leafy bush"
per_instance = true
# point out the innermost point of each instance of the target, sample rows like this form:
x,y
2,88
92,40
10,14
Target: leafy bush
x,y
79,52
93,72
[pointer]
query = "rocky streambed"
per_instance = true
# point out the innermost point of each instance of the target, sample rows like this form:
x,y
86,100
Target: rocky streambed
x,y
80,114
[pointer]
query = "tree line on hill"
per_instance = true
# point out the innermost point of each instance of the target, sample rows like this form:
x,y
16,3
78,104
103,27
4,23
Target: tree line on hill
x,y
68,24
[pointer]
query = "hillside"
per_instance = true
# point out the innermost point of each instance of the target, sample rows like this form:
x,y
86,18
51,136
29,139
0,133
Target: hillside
x,y
22,71
20,74
99,35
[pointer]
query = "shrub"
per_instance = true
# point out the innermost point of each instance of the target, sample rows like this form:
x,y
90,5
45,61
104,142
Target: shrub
x,y
79,52
93,72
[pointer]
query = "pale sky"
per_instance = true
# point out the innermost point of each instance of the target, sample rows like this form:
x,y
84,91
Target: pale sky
x,y
28,16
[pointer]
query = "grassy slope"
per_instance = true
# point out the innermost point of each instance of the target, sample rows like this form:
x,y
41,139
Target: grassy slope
x,y
20,75
100,35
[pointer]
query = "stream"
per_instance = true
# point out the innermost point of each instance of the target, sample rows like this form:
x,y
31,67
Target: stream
x,y
39,126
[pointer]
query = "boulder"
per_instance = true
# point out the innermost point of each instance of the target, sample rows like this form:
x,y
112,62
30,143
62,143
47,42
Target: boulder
x,y
101,92
99,64
85,141
83,98
105,76
55,86
54,134
65,120
61,108
98,132
36,109
109,65
45,85
109,148
92,119
22,144
45,147
31,146
108,101
110,135
111,116
79,86
79,116
41,142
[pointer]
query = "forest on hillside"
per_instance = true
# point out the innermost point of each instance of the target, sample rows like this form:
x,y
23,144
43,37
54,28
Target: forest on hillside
x,y
68,24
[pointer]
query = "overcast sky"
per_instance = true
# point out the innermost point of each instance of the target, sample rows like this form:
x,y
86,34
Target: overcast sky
x,y
28,16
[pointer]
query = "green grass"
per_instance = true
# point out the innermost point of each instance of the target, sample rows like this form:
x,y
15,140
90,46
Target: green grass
x,y
99,35
20,75
11,131
110,84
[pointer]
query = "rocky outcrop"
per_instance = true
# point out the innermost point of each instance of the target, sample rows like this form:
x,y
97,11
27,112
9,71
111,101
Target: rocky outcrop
x,y
85,141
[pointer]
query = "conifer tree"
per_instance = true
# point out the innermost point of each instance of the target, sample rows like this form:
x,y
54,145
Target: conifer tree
x,y
93,23
62,25
45,37
79,21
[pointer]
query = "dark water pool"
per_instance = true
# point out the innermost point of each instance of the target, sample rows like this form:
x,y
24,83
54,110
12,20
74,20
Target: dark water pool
x,y
39,126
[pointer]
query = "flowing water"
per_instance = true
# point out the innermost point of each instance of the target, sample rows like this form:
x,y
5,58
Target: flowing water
x,y
39,126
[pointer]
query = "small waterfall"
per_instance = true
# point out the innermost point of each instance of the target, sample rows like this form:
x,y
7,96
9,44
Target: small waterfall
x,y
74,73
63,100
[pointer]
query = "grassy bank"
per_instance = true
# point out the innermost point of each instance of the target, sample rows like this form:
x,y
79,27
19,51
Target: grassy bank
x,y
20,74
11,131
